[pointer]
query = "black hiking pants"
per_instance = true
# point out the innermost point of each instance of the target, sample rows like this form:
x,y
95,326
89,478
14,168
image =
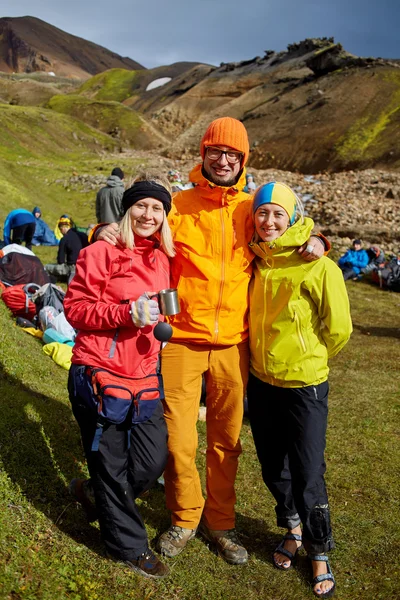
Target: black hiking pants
x,y
129,460
348,272
23,233
289,430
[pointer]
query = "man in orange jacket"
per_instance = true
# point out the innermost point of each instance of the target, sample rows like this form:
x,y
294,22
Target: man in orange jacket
x,y
212,226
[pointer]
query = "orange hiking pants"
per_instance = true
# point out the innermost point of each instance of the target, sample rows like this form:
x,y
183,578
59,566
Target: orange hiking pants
x,y
225,369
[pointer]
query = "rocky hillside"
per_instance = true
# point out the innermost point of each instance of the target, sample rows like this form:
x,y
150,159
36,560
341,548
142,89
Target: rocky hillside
x,y
344,206
348,205
314,107
28,44
311,108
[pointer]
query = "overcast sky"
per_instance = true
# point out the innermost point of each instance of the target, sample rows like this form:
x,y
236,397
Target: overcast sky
x,y
160,32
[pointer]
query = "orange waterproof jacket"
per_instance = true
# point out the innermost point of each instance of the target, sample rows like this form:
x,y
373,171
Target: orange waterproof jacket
x,y
212,226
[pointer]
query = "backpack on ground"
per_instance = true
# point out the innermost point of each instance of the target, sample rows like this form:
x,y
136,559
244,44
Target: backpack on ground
x,y
18,298
389,276
49,295
393,274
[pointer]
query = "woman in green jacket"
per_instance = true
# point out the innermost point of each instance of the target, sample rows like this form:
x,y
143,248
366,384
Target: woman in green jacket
x,y
299,317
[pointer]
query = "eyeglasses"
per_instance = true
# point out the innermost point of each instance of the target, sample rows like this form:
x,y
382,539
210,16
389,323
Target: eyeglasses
x,y
231,156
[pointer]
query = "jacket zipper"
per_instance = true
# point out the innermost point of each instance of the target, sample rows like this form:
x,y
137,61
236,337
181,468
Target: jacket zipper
x,y
300,335
221,287
113,344
263,341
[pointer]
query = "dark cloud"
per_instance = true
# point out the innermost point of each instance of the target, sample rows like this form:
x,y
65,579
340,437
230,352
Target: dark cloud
x,y
214,31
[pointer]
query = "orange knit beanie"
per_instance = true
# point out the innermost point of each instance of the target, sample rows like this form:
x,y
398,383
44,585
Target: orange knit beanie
x,y
226,132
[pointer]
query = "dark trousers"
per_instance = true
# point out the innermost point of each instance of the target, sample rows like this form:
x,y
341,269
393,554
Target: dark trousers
x,y
348,273
23,233
289,430
119,473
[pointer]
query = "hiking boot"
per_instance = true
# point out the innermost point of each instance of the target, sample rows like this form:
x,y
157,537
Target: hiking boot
x,y
227,544
148,565
173,541
82,491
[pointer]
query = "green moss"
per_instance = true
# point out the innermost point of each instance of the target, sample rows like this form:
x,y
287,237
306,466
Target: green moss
x,y
115,85
392,76
362,136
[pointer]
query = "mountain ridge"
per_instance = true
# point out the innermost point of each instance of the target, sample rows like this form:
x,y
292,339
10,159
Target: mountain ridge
x,y
28,44
310,108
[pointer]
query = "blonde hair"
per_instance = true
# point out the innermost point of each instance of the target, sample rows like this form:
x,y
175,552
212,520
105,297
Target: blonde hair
x,y
164,233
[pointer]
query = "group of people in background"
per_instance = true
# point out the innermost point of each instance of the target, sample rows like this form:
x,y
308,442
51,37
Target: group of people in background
x,y
22,226
358,262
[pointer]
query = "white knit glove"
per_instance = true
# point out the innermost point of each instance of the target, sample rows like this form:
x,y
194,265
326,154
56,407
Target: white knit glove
x,y
144,311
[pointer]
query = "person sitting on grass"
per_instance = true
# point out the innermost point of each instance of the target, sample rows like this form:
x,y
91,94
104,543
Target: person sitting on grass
x,y
299,317
68,251
353,261
43,235
376,258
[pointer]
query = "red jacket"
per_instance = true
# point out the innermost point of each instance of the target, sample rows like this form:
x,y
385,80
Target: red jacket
x,y
98,300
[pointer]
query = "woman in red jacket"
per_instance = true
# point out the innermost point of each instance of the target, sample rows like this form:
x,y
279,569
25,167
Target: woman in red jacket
x,y
114,384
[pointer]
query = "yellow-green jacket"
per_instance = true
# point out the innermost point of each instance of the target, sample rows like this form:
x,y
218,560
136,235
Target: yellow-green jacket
x,y
299,312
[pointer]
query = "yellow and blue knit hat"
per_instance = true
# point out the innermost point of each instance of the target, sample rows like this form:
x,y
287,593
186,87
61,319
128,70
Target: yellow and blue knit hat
x,y
64,220
278,193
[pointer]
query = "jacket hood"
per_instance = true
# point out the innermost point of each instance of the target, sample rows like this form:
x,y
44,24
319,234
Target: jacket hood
x,y
37,209
197,177
294,236
114,181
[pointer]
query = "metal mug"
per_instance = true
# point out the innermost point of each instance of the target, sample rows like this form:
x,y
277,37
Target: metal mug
x,y
168,301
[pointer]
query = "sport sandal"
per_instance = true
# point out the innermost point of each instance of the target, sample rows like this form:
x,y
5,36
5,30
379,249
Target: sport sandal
x,y
324,577
282,550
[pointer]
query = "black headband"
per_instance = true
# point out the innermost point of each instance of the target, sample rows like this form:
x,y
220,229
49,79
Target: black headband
x,y
146,189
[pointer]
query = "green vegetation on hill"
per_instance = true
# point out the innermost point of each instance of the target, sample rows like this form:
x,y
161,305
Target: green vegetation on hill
x,y
48,551
109,117
29,132
40,150
364,140
32,89
114,85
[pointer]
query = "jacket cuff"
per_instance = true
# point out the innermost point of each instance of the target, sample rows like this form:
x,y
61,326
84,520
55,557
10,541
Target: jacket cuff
x,y
124,315
324,241
94,232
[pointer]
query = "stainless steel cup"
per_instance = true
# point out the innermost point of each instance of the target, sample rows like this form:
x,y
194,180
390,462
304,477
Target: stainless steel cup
x,y
169,302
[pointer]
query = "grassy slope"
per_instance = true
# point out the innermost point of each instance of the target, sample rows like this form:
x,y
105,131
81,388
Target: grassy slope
x,y
48,551
33,89
39,151
114,85
105,116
